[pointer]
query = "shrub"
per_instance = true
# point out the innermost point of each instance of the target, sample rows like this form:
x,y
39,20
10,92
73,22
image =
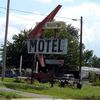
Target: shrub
x,y
25,86
92,76
9,95
96,83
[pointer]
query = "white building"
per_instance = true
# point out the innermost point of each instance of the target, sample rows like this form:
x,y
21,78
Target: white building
x,y
85,71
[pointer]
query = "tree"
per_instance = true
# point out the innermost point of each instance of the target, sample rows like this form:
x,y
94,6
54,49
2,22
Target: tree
x,y
72,56
95,61
18,48
87,57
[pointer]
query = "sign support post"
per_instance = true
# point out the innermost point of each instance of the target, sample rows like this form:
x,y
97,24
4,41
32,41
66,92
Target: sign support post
x,y
33,67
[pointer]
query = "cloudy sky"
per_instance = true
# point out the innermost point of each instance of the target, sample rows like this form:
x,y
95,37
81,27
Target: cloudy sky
x,y
25,13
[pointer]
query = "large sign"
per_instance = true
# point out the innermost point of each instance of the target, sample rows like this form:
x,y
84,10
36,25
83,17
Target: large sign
x,y
47,46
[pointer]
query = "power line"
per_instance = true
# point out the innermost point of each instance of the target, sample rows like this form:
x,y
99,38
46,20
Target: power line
x,y
18,17
27,12
23,18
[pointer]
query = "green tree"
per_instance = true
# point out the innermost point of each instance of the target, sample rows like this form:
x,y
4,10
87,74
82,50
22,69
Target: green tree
x,y
95,61
18,48
71,33
87,57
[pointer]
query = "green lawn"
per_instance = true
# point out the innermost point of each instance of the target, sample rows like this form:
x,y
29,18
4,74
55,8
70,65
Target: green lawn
x,y
8,95
68,92
8,79
87,91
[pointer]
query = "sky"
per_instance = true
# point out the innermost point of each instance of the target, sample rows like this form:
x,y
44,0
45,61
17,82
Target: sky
x,y
25,13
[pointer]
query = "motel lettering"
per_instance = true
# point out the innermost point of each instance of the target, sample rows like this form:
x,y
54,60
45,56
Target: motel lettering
x,y
47,46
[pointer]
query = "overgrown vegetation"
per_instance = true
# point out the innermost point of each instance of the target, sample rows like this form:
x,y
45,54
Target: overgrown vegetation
x,y
97,83
67,92
87,91
92,76
9,95
26,87
19,47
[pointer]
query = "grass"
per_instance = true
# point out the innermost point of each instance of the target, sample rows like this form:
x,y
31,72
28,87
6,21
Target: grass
x,y
67,92
96,83
87,91
8,79
9,95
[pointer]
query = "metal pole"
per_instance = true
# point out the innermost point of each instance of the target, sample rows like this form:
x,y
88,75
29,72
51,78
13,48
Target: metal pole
x,y
33,67
20,69
5,41
80,57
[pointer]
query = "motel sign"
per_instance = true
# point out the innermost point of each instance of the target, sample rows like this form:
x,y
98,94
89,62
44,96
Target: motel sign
x,y
47,46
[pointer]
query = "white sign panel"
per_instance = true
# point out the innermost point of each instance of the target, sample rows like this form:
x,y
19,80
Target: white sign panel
x,y
47,46
54,61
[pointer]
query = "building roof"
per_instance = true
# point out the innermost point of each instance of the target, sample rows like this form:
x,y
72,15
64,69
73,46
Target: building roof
x,y
85,68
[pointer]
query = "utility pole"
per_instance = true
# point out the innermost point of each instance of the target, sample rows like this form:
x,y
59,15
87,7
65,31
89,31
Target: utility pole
x,y
80,57
5,41
20,68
